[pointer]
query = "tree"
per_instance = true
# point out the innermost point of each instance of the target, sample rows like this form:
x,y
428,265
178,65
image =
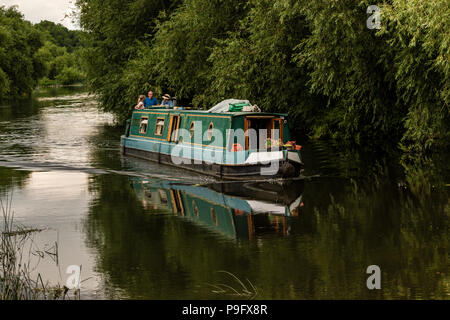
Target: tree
x,y
20,67
116,28
418,62
316,60
60,35
256,62
61,53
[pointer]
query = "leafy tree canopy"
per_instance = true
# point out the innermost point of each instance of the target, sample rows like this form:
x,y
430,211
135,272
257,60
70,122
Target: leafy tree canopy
x,y
317,60
20,68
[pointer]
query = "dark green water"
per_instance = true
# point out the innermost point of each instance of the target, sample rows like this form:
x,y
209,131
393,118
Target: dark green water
x,y
145,231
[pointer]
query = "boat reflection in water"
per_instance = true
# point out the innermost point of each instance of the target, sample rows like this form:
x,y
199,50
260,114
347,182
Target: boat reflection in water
x,y
235,210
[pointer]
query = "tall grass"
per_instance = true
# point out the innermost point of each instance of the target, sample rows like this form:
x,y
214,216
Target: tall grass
x,y
236,289
16,280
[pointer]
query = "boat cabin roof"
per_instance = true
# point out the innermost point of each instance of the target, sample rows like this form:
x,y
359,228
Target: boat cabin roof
x,y
205,112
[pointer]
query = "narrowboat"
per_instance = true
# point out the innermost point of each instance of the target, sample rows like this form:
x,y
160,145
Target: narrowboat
x,y
233,140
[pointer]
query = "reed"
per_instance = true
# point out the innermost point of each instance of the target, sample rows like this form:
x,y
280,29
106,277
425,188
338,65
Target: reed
x,y
237,288
16,280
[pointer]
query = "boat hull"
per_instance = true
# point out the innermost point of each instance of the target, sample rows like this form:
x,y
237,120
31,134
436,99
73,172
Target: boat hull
x,y
286,168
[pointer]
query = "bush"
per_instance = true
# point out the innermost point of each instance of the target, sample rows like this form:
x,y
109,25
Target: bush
x,y
69,75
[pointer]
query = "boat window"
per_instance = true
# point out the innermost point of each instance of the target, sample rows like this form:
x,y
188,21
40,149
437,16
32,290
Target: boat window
x,y
143,126
191,129
210,131
159,126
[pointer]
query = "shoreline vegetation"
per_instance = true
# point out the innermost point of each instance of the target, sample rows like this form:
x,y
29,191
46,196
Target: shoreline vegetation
x,y
57,85
16,270
36,54
318,61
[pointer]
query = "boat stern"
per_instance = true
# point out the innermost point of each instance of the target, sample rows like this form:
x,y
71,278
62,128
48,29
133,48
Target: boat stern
x,y
284,163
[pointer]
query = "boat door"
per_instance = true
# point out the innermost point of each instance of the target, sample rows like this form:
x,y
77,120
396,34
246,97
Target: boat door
x,y
277,124
263,126
174,125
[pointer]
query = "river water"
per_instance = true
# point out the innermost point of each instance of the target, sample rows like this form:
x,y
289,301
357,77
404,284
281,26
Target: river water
x,y
144,231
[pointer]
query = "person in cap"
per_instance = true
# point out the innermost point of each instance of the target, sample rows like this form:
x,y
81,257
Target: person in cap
x,y
167,101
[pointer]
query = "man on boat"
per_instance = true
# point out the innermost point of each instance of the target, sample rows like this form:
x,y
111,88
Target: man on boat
x,y
150,100
167,102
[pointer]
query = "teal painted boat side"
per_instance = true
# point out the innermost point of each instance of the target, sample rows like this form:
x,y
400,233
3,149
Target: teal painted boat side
x,y
187,151
221,122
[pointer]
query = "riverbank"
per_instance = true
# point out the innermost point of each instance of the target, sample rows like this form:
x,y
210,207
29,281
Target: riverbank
x,y
58,85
